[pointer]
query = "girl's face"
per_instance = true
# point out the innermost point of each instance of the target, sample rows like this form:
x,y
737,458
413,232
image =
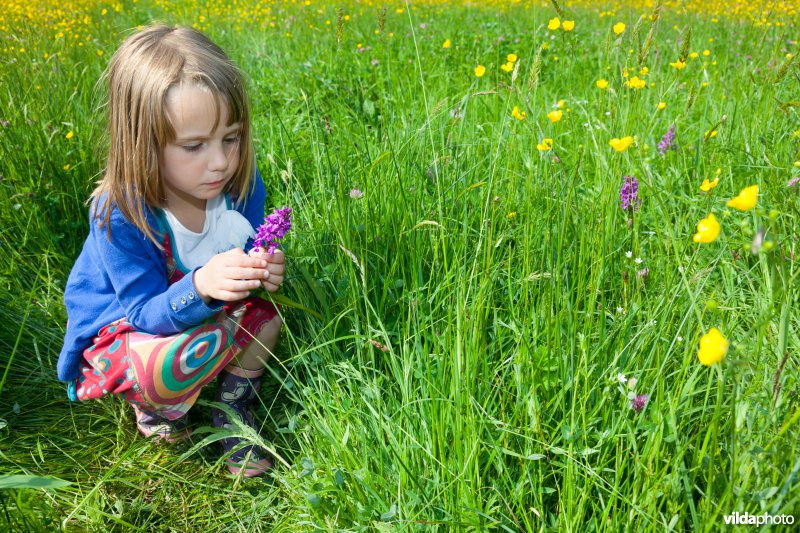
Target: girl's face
x,y
198,164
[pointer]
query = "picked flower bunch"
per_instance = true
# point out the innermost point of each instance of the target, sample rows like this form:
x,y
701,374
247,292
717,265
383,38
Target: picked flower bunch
x,y
275,227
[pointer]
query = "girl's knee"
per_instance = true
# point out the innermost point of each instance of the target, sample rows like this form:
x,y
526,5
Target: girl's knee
x,y
271,330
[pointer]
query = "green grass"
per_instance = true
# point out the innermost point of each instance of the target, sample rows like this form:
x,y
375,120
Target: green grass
x,y
494,403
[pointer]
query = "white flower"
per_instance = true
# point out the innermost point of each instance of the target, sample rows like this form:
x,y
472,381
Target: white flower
x,y
632,383
628,254
680,339
638,260
619,309
621,378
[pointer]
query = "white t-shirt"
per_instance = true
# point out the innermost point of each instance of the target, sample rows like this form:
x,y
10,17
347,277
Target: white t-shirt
x,y
224,229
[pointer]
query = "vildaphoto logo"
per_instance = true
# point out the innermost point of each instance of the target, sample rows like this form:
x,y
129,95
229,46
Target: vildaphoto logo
x,y
745,519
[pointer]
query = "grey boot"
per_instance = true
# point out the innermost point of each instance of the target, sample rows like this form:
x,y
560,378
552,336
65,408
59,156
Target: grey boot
x,y
239,392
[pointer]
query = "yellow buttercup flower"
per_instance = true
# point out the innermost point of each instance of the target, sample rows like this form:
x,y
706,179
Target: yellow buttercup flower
x,y
511,58
713,347
708,185
601,84
446,43
707,230
545,145
554,24
568,25
620,145
480,70
709,134
680,65
517,114
561,103
619,27
661,105
555,116
69,135
746,200
635,83
508,67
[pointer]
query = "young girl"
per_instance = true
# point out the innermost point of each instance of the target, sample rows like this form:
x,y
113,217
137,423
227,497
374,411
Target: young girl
x,y
158,300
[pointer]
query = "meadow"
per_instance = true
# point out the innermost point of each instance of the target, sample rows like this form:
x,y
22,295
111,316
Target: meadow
x,y
545,253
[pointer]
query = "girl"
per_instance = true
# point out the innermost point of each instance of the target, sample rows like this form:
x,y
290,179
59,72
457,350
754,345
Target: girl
x,y
158,300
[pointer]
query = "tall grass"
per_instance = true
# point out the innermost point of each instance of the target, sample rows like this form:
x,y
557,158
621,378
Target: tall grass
x,y
477,302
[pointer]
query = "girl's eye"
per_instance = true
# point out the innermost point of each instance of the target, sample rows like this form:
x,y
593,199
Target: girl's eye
x,y
191,147
232,140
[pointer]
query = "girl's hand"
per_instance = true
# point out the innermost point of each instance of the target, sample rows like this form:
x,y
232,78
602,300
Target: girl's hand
x,y
276,266
230,276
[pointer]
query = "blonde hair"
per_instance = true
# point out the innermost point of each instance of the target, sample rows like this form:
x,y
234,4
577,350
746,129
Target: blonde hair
x,y
139,75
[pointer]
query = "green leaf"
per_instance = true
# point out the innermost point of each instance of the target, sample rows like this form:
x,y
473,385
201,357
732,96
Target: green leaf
x,y
369,108
314,500
285,301
388,515
32,482
338,477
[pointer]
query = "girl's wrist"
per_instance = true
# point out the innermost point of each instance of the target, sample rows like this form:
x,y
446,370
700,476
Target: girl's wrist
x,y
198,286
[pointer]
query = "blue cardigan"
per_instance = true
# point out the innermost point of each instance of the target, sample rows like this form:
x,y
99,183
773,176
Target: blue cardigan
x,y
126,276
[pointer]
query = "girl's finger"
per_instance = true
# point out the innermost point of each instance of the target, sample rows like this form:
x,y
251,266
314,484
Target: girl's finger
x,y
276,257
245,261
245,273
240,285
271,287
276,268
231,296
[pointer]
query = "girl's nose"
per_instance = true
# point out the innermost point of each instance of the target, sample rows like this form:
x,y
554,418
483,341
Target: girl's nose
x,y
218,159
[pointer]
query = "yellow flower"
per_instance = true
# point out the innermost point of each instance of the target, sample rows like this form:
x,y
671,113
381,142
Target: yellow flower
x,y
69,135
708,185
508,67
517,114
560,103
661,105
713,347
619,27
620,145
511,58
545,145
709,134
707,230
568,25
693,55
480,70
643,71
446,43
601,83
555,116
706,53
635,83
66,167
746,200
554,24
680,65
511,215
